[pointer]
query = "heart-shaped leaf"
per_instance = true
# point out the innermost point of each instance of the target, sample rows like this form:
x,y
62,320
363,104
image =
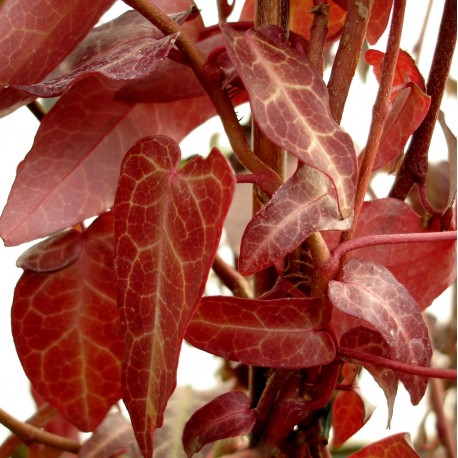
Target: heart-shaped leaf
x,y
71,173
226,416
287,333
67,331
370,292
290,104
167,223
305,204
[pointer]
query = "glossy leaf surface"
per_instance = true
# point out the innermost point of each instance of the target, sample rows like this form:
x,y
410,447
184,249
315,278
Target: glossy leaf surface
x,y
67,331
287,333
226,416
305,204
43,23
127,48
71,158
370,292
289,101
390,447
168,223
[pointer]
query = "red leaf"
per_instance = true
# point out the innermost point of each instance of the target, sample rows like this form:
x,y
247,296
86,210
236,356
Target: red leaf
x,y
168,224
59,186
53,27
370,341
406,70
226,416
370,292
67,332
284,333
350,412
378,20
304,204
410,263
52,254
407,112
127,48
397,445
290,104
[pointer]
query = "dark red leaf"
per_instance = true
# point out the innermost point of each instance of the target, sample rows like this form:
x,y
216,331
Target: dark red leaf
x,y
370,341
290,103
168,223
54,253
370,292
305,204
378,20
286,333
226,416
406,69
34,40
398,445
127,48
350,412
76,178
407,112
410,263
67,332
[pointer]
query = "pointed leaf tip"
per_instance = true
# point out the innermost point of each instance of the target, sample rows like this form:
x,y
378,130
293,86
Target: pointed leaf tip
x,y
167,223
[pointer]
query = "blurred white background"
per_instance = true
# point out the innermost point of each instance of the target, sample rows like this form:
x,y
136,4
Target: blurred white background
x,y
197,368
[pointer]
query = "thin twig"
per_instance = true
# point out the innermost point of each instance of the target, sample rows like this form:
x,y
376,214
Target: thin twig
x,y
37,110
380,110
430,372
347,56
231,278
29,433
415,163
220,98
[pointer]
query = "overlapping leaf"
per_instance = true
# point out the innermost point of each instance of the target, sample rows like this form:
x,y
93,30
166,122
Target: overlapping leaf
x,y
406,70
410,263
290,104
127,48
167,224
378,20
34,40
370,341
305,204
72,170
407,112
396,445
286,333
370,292
67,331
228,415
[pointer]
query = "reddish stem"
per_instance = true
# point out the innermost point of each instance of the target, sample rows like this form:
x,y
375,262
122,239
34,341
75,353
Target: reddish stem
x,y
220,98
415,163
347,57
380,110
431,372
231,278
388,239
